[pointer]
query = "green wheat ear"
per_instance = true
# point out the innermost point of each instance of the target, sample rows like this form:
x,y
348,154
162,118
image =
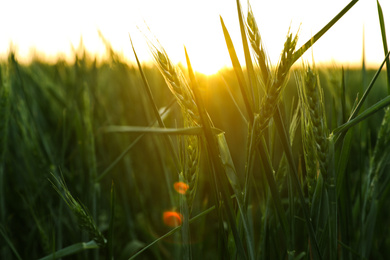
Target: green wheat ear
x,y
314,127
82,214
175,81
273,91
258,48
190,147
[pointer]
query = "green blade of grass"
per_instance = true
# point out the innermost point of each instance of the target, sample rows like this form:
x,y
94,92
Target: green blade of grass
x,y
332,197
343,161
368,229
368,112
248,60
154,106
359,104
71,250
273,187
321,32
238,71
156,130
120,157
234,182
110,237
147,88
230,92
290,158
384,41
367,91
185,229
5,106
343,99
214,153
173,231
9,242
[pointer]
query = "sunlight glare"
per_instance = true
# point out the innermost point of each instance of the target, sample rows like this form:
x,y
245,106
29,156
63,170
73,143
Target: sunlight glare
x,y
172,218
181,187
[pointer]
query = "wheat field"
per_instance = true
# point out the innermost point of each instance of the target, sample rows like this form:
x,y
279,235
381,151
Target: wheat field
x,y
110,160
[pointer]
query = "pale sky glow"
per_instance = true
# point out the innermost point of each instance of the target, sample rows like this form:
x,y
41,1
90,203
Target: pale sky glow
x,y
51,27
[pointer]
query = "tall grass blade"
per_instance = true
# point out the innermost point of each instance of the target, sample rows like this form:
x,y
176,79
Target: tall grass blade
x,y
196,130
214,153
367,91
343,161
9,242
173,231
343,97
90,151
332,195
265,158
248,60
229,90
287,149
153,104
234,182
384,41
119,158
128,148
5,106
110,237
367,113
71,250
238,71
147,88
321,32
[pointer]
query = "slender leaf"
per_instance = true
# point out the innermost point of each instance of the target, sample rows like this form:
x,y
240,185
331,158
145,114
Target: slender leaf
x,y
248,60
343,161
214,153
9,242
321,32
173,231
238,71
360,104
110,237
287,149
367,113
155,130
71,250
384,41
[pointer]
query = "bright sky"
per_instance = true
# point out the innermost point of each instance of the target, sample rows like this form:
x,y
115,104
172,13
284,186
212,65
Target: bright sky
x,y
51,27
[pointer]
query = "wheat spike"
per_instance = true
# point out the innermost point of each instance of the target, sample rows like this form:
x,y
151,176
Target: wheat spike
x,y
269,103
176,82
257,47
314,128
84,218
190,150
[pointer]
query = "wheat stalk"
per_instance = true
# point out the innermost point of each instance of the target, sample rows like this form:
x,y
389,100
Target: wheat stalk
x,y
190,165
190,149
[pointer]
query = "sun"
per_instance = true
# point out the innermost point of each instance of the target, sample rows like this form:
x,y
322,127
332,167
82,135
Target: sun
x,y
207,68
208,59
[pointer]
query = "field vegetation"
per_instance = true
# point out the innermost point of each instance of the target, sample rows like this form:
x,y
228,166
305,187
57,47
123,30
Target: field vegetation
x,y
115,161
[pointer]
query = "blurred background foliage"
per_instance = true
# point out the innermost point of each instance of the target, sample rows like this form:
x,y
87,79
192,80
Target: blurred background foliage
x,y
52,120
